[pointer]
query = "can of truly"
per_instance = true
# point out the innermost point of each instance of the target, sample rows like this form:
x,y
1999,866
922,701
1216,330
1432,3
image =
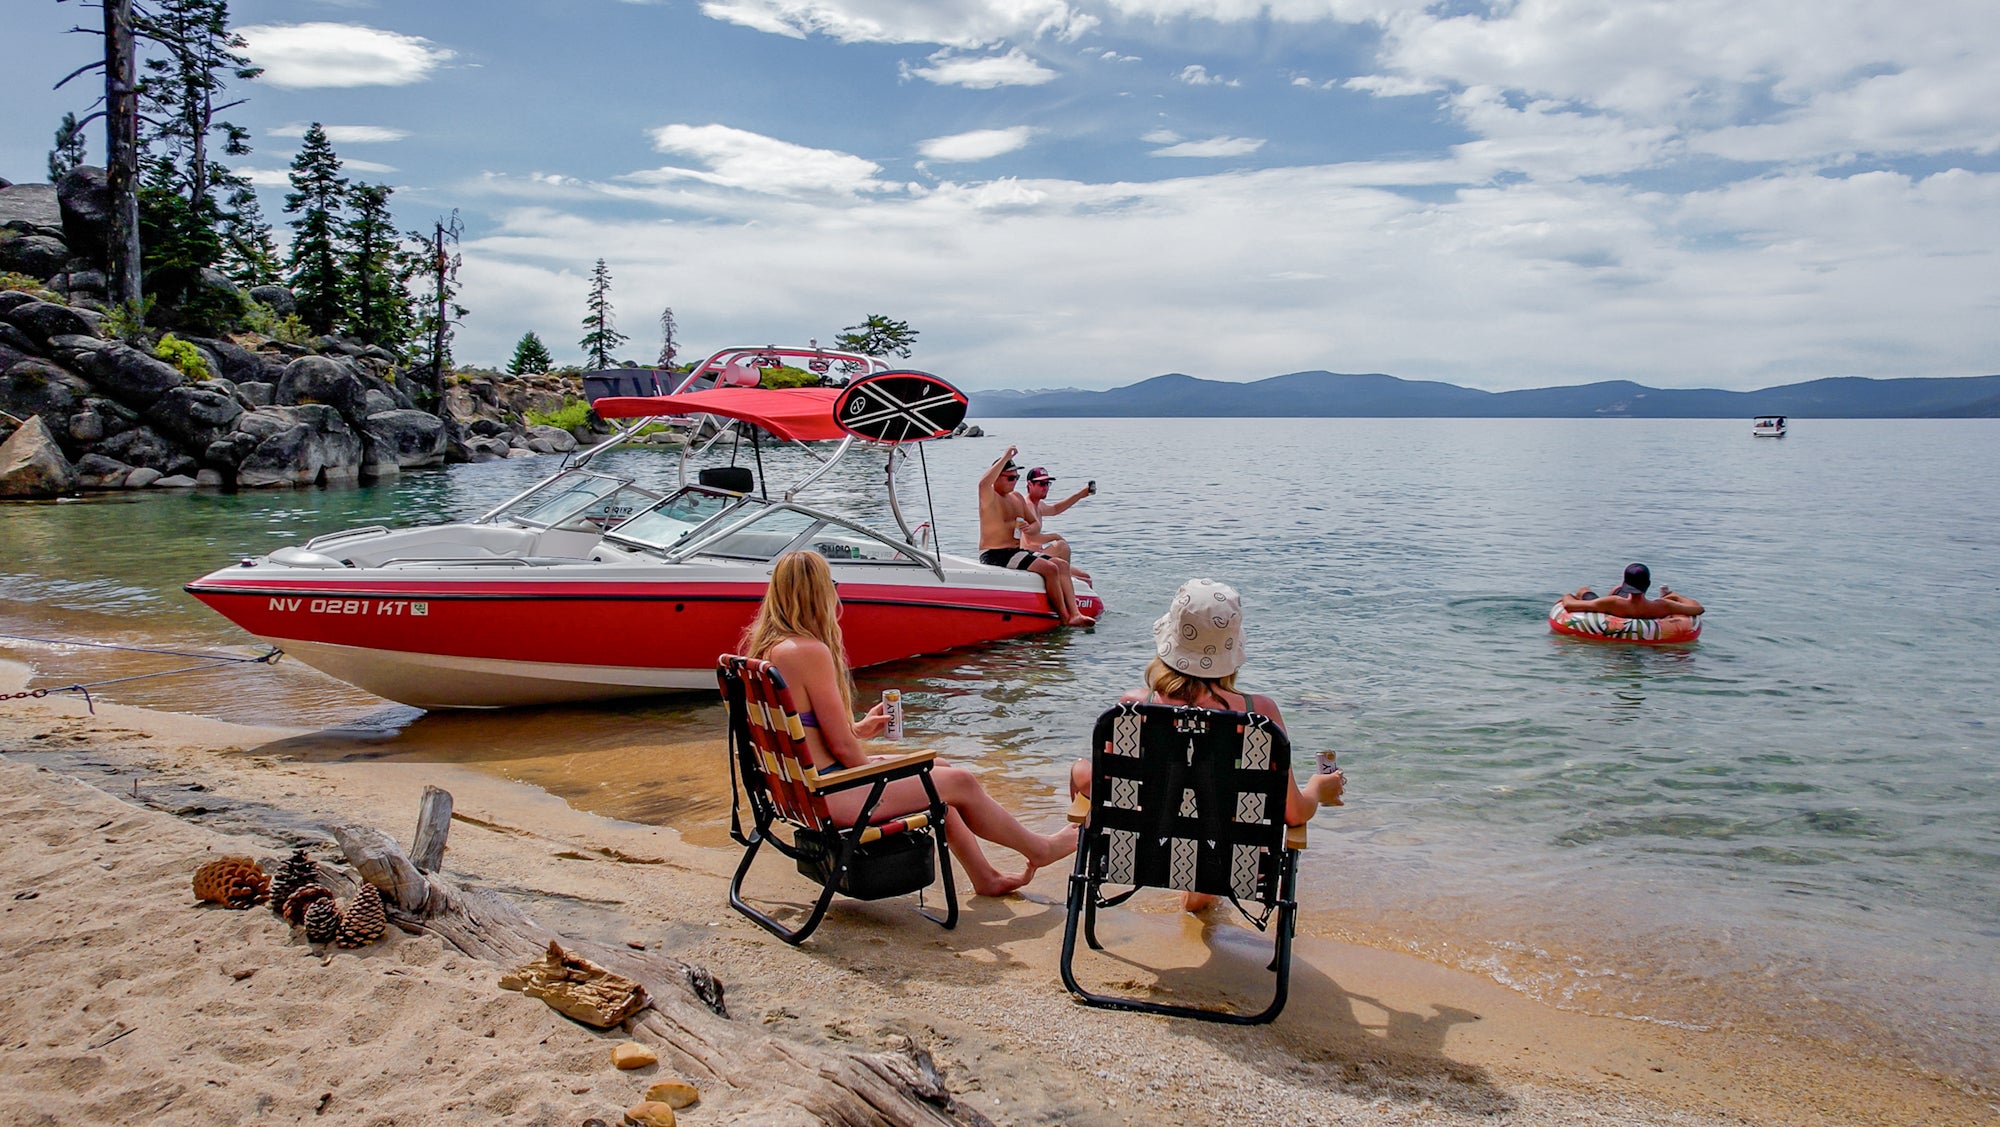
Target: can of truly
x,y
892,708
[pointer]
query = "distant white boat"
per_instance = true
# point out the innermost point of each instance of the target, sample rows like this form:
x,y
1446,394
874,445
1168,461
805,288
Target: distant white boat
x,y
1768,426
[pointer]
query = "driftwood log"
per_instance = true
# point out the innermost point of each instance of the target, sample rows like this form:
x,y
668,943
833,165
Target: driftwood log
x,y
433,824
577,988
743,1073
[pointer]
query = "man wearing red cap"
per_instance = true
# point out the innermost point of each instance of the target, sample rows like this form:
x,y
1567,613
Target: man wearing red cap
x,y
1002,515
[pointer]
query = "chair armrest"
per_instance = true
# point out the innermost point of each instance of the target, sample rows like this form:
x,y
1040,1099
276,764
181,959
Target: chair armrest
x,y
909,763
1079,808
1295,837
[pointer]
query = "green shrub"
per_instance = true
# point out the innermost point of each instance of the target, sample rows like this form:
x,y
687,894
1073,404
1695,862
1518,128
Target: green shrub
x,y
27,283
785,376
572,414
127,322
291,330
183,356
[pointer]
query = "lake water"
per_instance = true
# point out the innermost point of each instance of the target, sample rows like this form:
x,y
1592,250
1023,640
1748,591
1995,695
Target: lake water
x,y
1788,826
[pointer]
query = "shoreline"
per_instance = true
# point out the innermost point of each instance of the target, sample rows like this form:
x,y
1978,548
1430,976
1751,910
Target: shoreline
x,y
1369,1037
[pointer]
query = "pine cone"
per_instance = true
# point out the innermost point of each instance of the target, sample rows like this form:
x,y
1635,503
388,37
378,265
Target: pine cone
x,y
236,882
322,920
364,921
295,906
297,872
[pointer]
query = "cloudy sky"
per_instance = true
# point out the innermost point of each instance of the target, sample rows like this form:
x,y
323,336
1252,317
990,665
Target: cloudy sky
x,y
1497,193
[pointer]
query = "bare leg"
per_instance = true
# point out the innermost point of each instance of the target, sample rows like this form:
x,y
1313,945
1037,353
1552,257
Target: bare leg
x,y
1059,548
974,815
1062,593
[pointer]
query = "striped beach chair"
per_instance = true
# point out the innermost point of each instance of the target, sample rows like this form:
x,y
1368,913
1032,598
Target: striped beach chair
x,y
1192,799
771,771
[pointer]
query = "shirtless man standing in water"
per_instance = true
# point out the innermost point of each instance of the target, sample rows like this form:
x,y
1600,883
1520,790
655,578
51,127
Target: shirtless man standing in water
x,y
1002,513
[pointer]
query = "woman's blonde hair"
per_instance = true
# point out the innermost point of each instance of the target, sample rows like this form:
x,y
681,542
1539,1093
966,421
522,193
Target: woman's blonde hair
x,y
1185,688
801,602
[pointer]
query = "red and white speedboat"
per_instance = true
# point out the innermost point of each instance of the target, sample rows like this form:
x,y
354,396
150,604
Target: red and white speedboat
x,y
595,585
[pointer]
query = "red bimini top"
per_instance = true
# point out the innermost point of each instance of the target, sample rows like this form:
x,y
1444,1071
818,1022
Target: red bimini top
x,y
800,414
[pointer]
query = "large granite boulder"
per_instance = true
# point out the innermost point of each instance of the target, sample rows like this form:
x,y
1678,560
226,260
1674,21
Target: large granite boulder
x,y
319,447
37,387
40,256
550,440
32,465
85,210
10,300
321,379
401,439
132,377
45,319
280,299
233,361
195,416
144,446
31,209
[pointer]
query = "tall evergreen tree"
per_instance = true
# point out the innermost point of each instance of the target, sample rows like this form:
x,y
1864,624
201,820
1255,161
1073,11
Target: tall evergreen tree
x,y
249,254
180,93
603,339
434,263
376,308
670,347
69,150
530,355
318,194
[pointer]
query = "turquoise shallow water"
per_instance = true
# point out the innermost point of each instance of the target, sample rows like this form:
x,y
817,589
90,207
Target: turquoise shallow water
x,y
1790,825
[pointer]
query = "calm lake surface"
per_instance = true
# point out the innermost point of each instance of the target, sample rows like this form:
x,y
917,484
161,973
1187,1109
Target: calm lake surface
x,y
1790,826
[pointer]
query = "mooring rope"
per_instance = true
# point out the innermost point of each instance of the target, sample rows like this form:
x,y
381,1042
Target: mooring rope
x,y
209,661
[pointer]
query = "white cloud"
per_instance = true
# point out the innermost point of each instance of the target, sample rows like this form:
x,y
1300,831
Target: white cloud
x,y
265,177
1014,68
348,164
345,134
1160,137
1213,147
965,24
337,54
1197,75
736,158
1389,86
979,144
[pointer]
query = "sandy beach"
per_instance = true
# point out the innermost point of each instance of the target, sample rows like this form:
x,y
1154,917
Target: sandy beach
x,y
141,1005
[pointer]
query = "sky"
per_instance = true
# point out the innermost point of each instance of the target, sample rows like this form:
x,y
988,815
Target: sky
x,y
1087,193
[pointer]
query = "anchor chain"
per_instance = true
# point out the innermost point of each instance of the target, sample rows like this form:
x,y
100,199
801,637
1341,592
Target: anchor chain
x,y
209,661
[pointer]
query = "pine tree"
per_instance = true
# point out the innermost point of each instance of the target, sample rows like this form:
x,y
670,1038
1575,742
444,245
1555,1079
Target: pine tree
x,y
434,263
180,90
530,355
669,347
376,308
249,254
69,150
878,336
602,340
317,195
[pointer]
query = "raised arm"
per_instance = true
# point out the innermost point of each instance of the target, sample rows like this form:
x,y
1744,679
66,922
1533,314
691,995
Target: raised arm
x,y
1051,508
992,473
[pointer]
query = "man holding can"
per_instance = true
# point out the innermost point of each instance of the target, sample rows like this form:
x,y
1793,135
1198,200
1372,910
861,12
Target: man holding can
x,y
1039,506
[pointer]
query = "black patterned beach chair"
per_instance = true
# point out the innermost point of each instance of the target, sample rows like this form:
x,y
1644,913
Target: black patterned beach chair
x,y
1193,799
772,770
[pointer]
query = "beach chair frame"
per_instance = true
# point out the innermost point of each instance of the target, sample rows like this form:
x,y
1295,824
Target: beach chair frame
x,y
771,770
1193,799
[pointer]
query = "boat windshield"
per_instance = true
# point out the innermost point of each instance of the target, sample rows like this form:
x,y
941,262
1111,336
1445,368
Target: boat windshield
x,y
580,501
671,520
783,528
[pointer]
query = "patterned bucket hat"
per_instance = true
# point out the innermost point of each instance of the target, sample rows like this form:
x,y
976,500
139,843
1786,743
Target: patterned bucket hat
x,y
1202,633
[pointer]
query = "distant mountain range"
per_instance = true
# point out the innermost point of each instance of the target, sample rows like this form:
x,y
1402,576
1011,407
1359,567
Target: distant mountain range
x,y
1334,394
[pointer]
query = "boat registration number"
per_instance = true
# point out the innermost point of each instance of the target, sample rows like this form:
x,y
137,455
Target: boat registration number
x,y
390,608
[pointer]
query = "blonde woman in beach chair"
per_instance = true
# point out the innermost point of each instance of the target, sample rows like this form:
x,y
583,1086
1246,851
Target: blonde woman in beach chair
x,y
1189,786
797,635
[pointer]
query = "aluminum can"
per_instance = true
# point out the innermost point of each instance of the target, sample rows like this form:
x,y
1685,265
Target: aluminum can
x,y
892,707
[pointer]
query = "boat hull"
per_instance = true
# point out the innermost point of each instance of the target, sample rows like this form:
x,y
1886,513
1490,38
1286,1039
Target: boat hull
x,y
492,643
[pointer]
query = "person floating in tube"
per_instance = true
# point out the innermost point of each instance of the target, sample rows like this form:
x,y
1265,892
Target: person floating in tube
x,y
1629,599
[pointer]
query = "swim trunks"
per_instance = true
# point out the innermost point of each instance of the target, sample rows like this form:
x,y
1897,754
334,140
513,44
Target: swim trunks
x,y
1019,559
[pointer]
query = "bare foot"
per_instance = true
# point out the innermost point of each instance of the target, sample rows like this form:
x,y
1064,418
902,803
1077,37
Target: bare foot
x,y
1080,620
1196,902
1002,884
1062,843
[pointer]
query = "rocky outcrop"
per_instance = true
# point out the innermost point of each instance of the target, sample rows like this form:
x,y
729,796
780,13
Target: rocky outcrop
x,y
109,414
